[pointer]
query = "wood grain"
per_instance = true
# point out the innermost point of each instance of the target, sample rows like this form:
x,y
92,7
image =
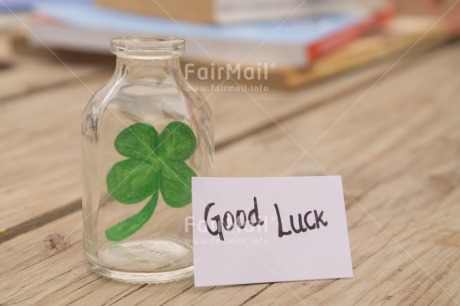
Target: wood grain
x,y
398,151
26,74
44,154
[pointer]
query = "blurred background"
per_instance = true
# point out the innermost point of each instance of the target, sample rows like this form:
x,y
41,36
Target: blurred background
x,y
298,42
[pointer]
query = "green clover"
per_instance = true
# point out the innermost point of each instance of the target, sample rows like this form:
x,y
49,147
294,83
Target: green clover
x,y
155,163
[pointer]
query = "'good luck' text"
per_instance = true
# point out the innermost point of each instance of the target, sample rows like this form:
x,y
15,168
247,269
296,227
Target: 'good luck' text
x,y
298,223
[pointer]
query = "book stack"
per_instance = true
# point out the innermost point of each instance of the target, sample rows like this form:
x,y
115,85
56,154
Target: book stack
x,y
231,11
291,34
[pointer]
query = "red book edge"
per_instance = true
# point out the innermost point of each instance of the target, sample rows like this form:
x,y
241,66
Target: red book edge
x,y
329,43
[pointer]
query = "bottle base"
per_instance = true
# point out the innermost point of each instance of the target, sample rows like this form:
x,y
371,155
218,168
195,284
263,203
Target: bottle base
x,y
156,260
142,277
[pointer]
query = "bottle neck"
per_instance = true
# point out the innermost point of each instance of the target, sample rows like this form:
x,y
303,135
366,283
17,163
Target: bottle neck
x,y
151,68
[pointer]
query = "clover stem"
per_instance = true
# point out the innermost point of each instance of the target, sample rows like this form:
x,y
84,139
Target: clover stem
x,y
131,225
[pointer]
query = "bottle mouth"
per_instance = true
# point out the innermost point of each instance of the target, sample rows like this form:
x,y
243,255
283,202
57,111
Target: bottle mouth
x,y
147,46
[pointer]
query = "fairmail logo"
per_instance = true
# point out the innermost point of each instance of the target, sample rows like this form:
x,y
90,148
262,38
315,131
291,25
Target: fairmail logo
x,y
229,71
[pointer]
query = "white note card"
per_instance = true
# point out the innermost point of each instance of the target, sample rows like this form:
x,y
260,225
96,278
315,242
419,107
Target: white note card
x,y
275,229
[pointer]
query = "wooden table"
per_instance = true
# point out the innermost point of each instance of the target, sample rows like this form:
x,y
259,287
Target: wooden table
x,y
392,130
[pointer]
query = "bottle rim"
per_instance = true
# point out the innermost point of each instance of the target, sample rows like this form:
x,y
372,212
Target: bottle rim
x,y
150,46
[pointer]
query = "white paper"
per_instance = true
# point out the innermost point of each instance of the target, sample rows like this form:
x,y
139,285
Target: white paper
x,y
257,253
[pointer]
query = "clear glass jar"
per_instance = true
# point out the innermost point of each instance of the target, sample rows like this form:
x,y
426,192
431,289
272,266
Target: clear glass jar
x,y
145,134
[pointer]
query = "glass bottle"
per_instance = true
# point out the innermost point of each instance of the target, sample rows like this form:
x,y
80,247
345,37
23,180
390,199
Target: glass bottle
x,y
145,134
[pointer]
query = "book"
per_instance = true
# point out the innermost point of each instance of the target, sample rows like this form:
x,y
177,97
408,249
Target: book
x,y
294,43
13,12
401,34
8,6
380,50
227,11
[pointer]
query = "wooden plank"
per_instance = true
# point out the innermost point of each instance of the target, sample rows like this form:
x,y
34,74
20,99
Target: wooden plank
x,y
26,74
29,75
42,132
41,142
258,110
402,166
400,257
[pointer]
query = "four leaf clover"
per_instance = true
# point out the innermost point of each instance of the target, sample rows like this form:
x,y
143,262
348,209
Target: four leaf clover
x,y
155,163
